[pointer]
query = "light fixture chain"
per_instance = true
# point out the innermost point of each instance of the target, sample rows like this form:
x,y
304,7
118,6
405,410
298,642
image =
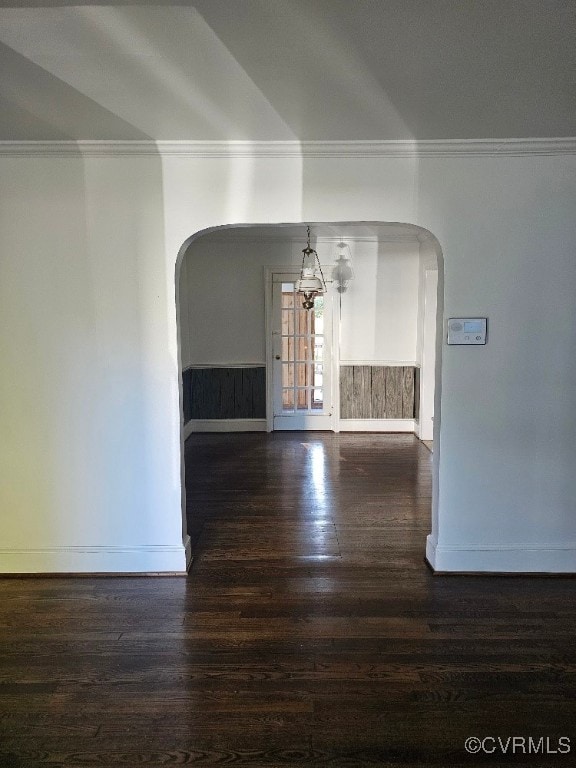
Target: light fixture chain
x,y
317,260
321,273
303,259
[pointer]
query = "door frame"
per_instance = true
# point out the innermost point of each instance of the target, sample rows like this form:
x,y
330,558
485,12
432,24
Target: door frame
x,y
290,270
428,354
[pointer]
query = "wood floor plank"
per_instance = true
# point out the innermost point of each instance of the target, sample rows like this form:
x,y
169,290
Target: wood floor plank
x,y
308,632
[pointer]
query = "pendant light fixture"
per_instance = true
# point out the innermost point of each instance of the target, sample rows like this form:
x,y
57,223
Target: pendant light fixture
x,y
309,284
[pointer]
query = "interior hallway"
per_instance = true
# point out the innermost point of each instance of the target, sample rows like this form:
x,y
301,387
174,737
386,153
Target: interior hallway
x,y
309,631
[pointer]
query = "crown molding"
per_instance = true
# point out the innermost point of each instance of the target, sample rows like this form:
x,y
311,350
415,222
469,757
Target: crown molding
x,y
223,149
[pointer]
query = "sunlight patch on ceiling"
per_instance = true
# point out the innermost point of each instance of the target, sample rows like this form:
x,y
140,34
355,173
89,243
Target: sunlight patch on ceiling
x,y
162,70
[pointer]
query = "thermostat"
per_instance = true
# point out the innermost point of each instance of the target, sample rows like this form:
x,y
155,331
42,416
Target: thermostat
x,y
467,330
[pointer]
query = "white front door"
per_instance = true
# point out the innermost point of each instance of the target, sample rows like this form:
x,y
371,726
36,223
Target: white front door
x,y
301,358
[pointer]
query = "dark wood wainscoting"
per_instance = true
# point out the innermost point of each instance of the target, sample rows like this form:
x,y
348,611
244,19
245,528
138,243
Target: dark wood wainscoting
x,y
224,393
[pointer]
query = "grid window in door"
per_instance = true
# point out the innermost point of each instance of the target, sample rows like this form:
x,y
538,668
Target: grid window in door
x,y
302,353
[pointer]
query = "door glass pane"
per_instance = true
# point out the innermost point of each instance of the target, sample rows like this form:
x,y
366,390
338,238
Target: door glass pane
x,y
318,349
303,321
287,399
303,375
302,399
318,314
287,322
317,399
287,374
302,348
288,348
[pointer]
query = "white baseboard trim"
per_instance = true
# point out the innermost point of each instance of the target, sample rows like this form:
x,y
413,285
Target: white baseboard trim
x,y
224,425
502,558
88,559
376,425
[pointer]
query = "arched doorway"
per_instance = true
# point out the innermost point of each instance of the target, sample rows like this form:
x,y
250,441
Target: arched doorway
x,y
223,276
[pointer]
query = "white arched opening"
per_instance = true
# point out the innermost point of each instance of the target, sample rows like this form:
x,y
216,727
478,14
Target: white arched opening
x,y
240,243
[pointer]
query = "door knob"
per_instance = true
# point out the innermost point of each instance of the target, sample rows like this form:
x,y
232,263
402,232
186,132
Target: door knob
x,y
277,357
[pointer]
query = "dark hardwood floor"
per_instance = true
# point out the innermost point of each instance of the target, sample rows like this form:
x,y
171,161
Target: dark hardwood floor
x,y
309,631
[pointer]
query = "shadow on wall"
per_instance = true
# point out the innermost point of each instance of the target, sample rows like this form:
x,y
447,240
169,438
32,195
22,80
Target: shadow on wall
x,y
83,278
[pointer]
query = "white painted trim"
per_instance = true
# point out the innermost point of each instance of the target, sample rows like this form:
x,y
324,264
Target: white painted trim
x,y
95,559
212,149
384,363
428,325
431,546
224,425
336,345
268,282
376,425
502,558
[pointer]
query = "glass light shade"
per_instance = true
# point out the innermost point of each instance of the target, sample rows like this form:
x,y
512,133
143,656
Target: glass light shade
x,y
309,282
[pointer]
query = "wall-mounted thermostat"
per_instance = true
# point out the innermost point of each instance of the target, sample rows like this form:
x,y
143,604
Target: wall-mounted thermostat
x,y
467,330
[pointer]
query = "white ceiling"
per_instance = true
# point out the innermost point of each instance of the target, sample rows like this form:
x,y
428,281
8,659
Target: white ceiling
x,y
287,69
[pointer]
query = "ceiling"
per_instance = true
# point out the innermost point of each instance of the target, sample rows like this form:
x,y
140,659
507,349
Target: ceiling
x,y
274,70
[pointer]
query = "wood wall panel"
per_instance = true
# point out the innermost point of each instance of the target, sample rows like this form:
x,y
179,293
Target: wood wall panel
x,y
366,392
407,393
393,392
224,393
365,377
346,391
243,392
259,393
377,392
227,389
361,388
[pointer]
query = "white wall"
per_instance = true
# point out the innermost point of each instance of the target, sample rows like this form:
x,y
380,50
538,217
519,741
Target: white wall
x,y
90,461
508,409
379,315
89,458
222,298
